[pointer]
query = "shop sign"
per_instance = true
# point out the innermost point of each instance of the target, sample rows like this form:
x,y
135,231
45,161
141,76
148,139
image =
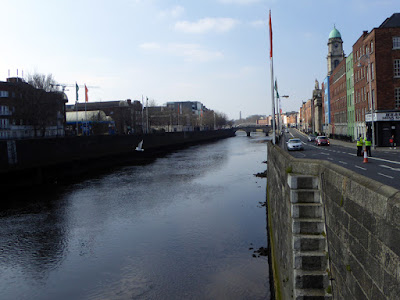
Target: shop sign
x,y
389,116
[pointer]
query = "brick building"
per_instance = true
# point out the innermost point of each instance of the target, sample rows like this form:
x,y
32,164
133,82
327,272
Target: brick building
x,y
377,80
338,99
27,112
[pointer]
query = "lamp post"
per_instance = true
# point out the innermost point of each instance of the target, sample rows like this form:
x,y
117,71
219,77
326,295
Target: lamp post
x,y
371,98
284,96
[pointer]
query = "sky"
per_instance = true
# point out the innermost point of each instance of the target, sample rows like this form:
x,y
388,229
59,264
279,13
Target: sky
x,y
212,51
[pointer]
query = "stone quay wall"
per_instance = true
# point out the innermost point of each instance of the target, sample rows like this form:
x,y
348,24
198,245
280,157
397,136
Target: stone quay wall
x,y
362,229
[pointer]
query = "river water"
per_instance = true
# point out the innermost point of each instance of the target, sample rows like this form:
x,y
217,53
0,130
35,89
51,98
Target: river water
x,y
183,227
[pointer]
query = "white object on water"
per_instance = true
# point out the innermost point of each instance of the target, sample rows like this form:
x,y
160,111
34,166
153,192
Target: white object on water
x,y
139,146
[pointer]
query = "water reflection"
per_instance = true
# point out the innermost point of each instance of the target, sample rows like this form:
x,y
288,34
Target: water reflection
x,y
179,228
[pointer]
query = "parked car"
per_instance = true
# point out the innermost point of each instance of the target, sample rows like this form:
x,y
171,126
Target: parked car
x,y
311,137
294,144
321,140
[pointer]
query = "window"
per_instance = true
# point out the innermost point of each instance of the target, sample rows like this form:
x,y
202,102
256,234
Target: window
x,y
397,68
3,94
372,71
372,46
396,42
397,97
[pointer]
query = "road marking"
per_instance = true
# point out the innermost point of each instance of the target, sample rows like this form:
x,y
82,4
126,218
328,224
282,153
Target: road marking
x,y
330,158
352,154
386,175
361,168
343,162
385,160
393,169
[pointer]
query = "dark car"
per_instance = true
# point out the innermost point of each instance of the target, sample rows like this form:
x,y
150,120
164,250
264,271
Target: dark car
x,y
321,140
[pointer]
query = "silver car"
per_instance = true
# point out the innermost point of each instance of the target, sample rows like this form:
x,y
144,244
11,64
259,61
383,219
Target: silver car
x,y
294,144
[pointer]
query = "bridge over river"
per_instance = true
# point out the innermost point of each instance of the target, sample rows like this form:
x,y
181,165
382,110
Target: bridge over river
x,y
251,127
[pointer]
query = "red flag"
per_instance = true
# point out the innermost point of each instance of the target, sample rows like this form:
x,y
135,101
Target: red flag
x,y
86,94
270,34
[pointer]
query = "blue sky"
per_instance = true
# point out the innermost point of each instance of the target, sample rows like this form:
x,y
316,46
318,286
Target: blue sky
x,y
213,51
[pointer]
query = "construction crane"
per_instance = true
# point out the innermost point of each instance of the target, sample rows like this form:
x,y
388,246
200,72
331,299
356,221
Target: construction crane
x,y
65,85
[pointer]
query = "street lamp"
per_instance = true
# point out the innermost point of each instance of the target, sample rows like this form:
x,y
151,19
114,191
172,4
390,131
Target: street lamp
x,y
284,96
371,97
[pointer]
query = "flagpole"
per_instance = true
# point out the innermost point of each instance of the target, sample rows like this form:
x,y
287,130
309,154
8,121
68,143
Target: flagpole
x,y
142,115
278,108
76,108
86,100
272,82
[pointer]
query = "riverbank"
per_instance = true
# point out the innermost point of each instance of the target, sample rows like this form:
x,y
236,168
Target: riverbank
x,y
40,161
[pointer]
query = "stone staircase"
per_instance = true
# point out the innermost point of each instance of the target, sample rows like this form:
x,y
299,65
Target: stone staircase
x,y
310,262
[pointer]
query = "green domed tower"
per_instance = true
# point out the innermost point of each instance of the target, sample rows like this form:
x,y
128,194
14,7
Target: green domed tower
x,y
335,50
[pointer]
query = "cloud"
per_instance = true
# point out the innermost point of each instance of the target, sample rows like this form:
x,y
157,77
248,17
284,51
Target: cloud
x,y
174,12
189,52
149,46
207,24
258,23
194,52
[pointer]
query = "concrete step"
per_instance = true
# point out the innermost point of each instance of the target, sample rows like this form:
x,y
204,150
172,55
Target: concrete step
x,y
306,210
310,279
305,196
296,181
311,294
310,261
305,242
308,226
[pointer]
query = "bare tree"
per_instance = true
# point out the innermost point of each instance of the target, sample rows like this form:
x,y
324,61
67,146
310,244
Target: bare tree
x,y
41,81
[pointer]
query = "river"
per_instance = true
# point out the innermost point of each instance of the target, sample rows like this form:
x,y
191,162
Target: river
x,y
183,227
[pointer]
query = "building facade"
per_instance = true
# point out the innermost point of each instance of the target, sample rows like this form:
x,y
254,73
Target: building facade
x,y
27,112
350,96
338,103
377,80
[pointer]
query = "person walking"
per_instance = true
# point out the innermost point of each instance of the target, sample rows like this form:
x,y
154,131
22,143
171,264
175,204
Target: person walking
x,y
368,144
392,143
360,142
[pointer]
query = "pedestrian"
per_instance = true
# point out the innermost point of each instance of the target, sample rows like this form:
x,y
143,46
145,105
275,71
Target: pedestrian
x,y
368,144
392,143
360,143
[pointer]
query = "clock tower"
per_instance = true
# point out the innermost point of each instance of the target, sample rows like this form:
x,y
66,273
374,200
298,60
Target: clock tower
x,y
335,50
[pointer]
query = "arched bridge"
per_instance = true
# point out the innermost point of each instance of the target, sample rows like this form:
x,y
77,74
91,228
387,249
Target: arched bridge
x,y
251,127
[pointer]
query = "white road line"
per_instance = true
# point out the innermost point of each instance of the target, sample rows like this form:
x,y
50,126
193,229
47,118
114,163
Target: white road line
x,y
361,168
386,175
352,154
393,169
385,160
330,158
343,162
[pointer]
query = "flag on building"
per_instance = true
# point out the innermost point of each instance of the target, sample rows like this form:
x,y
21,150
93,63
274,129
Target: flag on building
x,y
86,94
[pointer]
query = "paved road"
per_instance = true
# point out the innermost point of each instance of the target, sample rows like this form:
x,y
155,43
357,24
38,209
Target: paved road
x,y
383,166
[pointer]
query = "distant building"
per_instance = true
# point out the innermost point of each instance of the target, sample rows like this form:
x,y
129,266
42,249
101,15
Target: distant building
x,y
127,115
27,112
